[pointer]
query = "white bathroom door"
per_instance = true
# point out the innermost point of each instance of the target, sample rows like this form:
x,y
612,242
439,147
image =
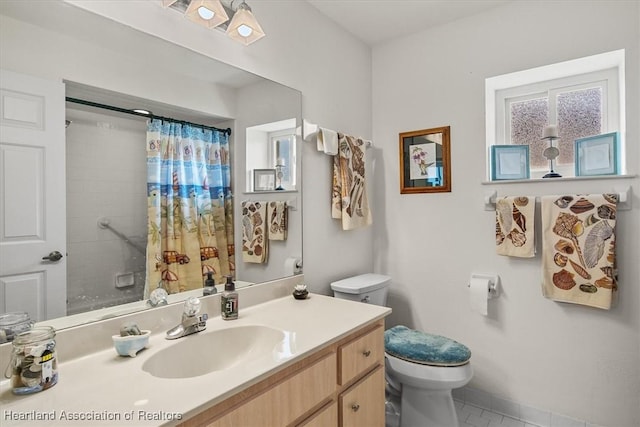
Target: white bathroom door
x,y
32,196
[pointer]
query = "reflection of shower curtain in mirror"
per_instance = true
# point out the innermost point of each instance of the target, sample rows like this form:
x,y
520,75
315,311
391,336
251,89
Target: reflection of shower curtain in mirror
x,y
190,230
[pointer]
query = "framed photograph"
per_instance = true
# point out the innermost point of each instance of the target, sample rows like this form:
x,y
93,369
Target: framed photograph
x,y
425,161
264,179
597,155
509,162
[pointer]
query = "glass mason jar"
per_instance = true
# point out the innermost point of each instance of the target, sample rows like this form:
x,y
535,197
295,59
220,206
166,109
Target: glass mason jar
x,y
34,364
11,324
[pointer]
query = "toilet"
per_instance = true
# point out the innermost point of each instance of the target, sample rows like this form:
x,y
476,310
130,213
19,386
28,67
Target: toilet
x,y
421,368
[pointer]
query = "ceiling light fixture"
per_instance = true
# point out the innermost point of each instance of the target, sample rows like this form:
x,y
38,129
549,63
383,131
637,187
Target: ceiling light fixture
x,y
208,13
239,23
244,26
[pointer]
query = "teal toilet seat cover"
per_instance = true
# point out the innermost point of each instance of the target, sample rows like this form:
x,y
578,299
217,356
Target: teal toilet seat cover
x,y
419,347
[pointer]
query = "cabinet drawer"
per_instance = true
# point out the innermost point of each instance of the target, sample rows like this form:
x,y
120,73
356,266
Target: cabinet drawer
x,y
360,355
325,417
288,400
363,403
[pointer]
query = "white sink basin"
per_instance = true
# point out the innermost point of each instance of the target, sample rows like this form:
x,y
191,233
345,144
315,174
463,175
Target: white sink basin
x,y
210,351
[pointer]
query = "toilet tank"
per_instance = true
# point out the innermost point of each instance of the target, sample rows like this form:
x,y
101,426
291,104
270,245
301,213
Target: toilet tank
x,y
368,288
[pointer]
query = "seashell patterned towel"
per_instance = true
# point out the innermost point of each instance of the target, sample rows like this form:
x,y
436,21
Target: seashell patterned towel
x,y
578,249
514,226
255,246
349,201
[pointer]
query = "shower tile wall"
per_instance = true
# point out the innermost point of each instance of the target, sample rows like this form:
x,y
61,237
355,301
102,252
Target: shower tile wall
x,y
106,177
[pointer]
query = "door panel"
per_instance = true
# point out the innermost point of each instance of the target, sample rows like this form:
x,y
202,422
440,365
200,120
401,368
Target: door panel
x,y
32,195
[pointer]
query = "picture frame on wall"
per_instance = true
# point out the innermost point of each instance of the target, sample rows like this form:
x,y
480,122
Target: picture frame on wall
x,y
264,180
509,162
597,155
425,161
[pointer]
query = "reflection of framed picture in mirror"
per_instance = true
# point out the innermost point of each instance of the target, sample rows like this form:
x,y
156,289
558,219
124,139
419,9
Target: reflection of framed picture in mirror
x,y
264,179
509,162
425,161
597,155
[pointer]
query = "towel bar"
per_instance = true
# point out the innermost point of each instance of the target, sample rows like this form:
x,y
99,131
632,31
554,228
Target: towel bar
x,y
292,204
309,130
624,200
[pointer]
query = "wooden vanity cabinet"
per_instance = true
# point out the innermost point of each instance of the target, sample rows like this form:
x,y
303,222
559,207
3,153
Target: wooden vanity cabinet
x,y
340,385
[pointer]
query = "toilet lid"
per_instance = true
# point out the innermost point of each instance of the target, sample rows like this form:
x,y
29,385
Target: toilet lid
x,y
427,349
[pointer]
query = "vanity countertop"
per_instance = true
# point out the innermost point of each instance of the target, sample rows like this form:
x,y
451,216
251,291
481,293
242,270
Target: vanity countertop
x,y
105,389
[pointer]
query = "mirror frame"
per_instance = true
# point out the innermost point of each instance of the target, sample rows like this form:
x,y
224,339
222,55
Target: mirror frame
x,y
414,143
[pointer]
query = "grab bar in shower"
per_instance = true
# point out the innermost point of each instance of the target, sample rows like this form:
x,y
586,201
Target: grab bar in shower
x,y
105,223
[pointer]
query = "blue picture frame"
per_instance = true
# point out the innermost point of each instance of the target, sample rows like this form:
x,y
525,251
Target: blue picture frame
x,y
597,155
509,162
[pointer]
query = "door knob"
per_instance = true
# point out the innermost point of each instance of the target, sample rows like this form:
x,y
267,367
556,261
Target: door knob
x,y
53,256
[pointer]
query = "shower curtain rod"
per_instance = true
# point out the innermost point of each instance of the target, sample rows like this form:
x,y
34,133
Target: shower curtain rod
x,y
150,115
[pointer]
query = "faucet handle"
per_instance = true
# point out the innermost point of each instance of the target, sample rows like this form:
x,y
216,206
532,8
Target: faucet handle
x,y
192,306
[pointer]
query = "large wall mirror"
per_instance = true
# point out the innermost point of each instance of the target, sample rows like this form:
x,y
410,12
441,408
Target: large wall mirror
x,y
106,193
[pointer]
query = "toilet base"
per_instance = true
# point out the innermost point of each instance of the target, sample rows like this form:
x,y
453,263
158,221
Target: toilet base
x,y
427,408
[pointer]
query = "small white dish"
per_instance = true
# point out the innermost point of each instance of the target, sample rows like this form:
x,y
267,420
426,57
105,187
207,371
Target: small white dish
x,y
130,345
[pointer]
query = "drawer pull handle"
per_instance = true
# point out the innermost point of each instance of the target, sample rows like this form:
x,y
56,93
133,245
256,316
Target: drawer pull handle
x,y
355,407
366,353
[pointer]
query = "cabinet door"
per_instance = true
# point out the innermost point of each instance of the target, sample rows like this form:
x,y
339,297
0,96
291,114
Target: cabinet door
x,y
362,405
361,354
325,417
288,400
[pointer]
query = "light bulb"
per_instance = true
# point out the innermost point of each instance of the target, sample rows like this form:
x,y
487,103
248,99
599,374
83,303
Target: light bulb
x,y
206,13
245,30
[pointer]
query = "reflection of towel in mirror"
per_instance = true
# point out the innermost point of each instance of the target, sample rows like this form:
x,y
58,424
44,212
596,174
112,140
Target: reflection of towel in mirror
x,y
327,141
514,226
578,249
254,232
277,215
349,194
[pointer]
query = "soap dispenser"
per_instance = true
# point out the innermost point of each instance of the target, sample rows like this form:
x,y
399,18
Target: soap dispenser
x,y
209,287
229,300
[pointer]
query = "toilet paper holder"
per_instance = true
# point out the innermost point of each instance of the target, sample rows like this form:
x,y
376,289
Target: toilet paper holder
x,y
493,281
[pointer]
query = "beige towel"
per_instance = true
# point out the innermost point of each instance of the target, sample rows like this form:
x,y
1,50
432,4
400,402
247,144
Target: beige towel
x,y
277,213
327,141
349,195
578,252
254,232
514,226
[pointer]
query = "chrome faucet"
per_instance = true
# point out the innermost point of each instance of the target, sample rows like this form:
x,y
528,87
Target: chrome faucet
x,y
158,296
191,323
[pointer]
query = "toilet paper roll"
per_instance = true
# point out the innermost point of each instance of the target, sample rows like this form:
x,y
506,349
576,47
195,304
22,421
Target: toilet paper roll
x,y
479,294
292,266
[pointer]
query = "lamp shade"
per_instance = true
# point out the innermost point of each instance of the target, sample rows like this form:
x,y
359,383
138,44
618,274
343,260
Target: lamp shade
x,y
244,27
208,13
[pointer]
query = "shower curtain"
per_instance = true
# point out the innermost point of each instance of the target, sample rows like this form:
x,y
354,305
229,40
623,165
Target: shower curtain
x,y
190,208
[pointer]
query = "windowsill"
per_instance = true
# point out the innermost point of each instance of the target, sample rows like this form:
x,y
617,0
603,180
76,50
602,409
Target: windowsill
x,y
270,192
571,178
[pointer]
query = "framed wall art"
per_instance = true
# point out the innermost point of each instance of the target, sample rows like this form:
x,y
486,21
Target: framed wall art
x,y
509,162
597,155
264,179
425,161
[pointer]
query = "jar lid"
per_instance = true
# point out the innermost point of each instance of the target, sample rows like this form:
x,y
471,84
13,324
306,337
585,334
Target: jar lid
x,y
14,318
38,333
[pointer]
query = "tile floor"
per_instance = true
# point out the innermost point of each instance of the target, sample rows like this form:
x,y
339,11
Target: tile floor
x,y
474,416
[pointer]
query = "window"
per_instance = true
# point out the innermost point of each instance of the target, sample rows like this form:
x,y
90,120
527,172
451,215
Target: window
x,y
272,146
283,157
582,97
